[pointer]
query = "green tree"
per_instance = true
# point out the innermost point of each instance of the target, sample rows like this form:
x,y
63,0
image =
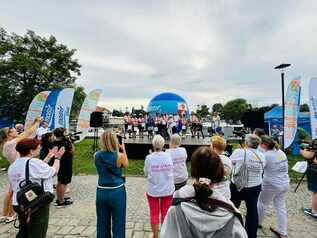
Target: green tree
x,y
234,109
117,113
79,97
304,108
30,64
202,111
217,107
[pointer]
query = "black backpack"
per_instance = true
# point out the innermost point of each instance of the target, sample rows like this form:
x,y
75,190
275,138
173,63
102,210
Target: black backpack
x,y
32,196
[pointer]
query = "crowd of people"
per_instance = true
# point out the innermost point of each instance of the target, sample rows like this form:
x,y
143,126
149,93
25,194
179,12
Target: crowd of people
x,y
167,125
214,197
256,173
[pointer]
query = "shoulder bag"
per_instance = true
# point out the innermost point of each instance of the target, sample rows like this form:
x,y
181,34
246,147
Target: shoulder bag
x,y
240,178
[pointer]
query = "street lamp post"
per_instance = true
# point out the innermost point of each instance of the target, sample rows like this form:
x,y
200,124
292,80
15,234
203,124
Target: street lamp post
x,y
281,67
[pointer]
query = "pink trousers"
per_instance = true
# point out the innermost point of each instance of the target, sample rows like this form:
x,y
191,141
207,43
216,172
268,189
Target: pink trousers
x,y
159,205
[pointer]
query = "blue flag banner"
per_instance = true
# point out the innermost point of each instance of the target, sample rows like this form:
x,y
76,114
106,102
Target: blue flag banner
x,y
48,112
63,107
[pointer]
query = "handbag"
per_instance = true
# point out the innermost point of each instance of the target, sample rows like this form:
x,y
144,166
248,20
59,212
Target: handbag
x,y
240,178
31,196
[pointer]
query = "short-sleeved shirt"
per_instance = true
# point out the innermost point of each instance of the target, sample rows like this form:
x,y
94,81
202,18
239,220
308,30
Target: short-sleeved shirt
x,y
38,170
255,162
9,151
179,156
276,169
224,187
41,131
158,167
109,173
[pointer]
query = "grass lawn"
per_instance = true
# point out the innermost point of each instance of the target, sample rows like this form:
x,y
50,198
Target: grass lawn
x,y
84,163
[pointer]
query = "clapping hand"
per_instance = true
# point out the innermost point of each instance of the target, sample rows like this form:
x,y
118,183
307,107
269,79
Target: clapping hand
x,y
60,152
52,152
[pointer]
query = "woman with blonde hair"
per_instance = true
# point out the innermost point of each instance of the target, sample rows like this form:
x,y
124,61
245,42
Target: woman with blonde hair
x,y
111,193
9,138
218,145
275,185
158,168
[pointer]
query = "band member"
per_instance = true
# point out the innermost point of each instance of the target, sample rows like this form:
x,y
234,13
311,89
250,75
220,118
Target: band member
x,y
150,126
130,126
157,122
135,124
193,124
199,128
141,126
126,122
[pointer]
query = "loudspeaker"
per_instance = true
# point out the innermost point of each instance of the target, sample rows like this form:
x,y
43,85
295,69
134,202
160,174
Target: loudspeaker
x,y
96,119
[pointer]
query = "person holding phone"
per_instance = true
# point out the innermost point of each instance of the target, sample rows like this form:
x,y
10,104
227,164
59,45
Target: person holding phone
x,y
111,193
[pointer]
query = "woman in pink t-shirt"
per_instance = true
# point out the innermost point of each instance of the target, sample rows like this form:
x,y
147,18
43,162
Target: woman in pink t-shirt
x,y
9,138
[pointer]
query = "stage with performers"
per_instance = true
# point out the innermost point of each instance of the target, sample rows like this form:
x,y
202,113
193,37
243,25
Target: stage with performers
x,y
138,148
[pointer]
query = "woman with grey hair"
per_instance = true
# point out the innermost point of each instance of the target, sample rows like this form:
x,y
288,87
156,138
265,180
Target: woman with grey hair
x,y
252,161
158,168
179,157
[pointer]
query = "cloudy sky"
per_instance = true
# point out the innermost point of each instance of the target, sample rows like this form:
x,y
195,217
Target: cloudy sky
x,y
206,51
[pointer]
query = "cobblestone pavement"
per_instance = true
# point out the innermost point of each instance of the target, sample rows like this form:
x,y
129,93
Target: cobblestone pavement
x,y
79,220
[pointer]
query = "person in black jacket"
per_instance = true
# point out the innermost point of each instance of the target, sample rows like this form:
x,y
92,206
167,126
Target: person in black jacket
x,y
64,176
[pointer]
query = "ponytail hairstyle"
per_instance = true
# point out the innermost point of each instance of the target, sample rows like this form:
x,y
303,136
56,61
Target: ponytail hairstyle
x,y
207,169
270,142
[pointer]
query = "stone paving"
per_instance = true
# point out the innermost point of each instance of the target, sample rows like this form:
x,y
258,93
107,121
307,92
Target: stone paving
x,y
79,220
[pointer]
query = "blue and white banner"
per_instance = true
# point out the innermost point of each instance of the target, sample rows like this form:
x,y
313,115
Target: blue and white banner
x,y
292,102
63,107
313,106
48,112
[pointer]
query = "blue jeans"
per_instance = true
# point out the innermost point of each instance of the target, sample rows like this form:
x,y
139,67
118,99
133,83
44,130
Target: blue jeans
x,y
250,196
111,210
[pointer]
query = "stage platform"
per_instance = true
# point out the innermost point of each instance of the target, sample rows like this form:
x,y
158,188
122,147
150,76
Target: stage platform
x,y
138,148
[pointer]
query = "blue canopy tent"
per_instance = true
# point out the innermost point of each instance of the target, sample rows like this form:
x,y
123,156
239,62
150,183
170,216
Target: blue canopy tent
x,y
274,117
5,122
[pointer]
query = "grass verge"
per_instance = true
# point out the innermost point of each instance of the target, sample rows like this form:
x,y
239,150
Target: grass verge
x,y
84,163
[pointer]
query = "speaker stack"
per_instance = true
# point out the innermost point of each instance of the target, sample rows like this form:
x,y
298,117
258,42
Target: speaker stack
x,y
96,120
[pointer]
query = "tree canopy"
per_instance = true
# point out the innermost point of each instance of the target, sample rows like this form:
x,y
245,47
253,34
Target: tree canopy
x,y
202,111
79,97
30,64
234,109
304,108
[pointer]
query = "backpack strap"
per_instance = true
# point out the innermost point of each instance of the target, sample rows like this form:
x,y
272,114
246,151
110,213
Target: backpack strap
x,y
27,174
227,206
214,202
27,171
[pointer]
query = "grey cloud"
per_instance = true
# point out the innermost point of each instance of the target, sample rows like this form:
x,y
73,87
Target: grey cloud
x,y
207,51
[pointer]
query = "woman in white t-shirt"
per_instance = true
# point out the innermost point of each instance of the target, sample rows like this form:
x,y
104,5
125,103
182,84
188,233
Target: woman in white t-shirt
x,y
158,168
255,162
39,170
9,137
179,157
275,185
218,144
